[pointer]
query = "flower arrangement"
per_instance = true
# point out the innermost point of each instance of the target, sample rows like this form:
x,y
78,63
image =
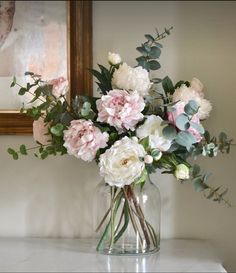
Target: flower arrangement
x,y
138,125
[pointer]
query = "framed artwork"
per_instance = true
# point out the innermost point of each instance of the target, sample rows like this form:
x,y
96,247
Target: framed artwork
x,y
49,38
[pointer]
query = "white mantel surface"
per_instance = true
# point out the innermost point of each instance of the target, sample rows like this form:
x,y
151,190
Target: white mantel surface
x,y
77,255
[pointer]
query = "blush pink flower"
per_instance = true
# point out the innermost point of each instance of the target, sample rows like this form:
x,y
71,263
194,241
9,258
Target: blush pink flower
x,y
83,139
40,131
179,109
121,109
60,86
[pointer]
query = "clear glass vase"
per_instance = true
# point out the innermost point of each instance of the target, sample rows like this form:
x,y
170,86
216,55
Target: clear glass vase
x,y
127,220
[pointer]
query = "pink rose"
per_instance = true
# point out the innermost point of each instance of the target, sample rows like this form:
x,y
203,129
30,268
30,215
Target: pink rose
x,y
179,109
40,131
121,109
60,86
83,139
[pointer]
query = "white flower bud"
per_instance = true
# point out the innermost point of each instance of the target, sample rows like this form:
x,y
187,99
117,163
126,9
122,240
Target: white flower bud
x,y
182,172
148,159
156,158
135,138
114,58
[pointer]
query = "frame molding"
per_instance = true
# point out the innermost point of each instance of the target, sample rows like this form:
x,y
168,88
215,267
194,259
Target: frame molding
x,y
80,58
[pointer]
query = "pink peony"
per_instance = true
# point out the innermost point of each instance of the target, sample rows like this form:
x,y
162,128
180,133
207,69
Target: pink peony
x,y
40,131
60,86
194,92
83,139
121,109
179,109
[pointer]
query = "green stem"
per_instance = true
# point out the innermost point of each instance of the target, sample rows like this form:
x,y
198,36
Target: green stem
x,y
126,222
116,203
141,215
135,227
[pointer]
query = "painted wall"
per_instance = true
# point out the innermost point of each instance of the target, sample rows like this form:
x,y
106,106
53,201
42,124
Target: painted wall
x,y
53,197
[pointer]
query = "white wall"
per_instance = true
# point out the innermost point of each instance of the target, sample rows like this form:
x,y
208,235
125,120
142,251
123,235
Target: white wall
x,y
52,197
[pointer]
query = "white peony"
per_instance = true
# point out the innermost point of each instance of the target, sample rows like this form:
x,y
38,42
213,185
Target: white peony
x,y
153,129
121,165
194,92
131,79
182,172
114,58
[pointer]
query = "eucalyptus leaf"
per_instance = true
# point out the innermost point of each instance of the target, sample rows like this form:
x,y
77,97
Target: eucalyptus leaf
x,y
197,127
142,50
169,132
195,170
154,65
199,185
168,85
182,122
155,52
191,108
23,150
185,139
149,37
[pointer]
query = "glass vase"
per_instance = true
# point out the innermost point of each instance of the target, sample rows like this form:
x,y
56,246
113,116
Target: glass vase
x,y
127,220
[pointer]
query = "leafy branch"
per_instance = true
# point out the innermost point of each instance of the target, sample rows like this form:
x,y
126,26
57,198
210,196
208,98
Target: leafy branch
x,y
151,51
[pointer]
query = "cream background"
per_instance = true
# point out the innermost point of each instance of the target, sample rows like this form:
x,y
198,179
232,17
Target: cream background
x,y
52,197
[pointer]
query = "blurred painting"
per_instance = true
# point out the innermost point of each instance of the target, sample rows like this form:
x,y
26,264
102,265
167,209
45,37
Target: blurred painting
x,y
33,37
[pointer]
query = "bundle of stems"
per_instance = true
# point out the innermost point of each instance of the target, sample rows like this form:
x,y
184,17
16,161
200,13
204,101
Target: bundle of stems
x,y
125,207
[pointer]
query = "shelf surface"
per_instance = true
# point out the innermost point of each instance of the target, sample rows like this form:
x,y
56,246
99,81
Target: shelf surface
x,y
79,255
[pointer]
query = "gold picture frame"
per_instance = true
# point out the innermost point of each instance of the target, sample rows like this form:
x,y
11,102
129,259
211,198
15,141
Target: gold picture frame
x,y
80,59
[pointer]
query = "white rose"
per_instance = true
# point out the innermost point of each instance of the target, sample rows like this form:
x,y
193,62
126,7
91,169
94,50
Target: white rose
x,y
121,165
114,58
182,172
131,79
185,94
153,129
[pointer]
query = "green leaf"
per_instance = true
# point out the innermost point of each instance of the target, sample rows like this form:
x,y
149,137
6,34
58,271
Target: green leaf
x,y
145,142
141,59
155,52
222,137
142,178
142,50
13,153
182,122
168,85
206,176
57,129
149,37
169,132
44,154
22,91
195,170
13,82
178,84
191,108
154,65
207,136
28,73
185,139
23,150
199,185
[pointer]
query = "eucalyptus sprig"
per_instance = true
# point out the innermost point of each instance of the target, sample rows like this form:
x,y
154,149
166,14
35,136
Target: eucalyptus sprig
x,y
151,51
